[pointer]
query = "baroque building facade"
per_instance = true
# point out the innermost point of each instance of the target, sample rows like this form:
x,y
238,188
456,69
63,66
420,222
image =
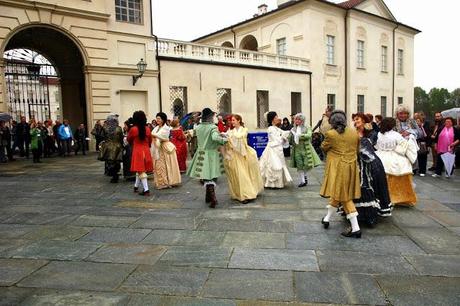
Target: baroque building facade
x,y
300,57
361,57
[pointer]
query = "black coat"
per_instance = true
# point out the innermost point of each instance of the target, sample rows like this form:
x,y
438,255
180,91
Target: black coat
x,y
23,131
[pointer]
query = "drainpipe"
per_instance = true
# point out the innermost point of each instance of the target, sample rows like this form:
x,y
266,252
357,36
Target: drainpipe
x,y
311,102
234,38
158,60
346,61
394,72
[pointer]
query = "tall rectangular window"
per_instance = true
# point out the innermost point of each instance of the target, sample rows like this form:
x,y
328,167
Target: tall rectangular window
x,y
128,10
262,108
296,102
330,49
224,100
331,101
360,103
400,100
383,106
281,46
400,61
360,54
178,100
384,58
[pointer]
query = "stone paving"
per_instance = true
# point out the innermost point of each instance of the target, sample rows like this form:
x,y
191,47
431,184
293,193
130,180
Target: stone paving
x,y
69,237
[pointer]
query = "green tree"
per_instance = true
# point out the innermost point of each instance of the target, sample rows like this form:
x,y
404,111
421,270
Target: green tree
x,y
440,99
455,98
421,100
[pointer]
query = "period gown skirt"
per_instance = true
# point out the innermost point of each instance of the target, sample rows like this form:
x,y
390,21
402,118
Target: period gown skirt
x,y
375,198
243,175
273,169
167,173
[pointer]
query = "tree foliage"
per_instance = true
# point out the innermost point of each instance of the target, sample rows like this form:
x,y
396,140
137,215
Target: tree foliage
x,y
436,100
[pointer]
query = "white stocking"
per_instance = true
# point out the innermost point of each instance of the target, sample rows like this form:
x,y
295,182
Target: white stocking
x,y
330,211
354,223
302,176
138,181
145,184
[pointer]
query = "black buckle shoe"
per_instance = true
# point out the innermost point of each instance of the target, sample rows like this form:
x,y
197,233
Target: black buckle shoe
x,y
325,223
350,234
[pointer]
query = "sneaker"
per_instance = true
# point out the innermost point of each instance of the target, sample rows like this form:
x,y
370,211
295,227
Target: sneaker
x,y
422,174
446,175
435,175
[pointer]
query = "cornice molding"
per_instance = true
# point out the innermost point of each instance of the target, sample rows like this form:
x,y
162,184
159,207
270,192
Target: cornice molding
x,y
36,5
118,71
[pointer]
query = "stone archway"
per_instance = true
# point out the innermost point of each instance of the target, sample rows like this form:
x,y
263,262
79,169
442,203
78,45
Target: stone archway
x,y
249,42
66,56
227,44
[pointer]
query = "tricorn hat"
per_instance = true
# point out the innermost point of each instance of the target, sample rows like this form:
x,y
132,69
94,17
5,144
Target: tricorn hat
x,y
207,114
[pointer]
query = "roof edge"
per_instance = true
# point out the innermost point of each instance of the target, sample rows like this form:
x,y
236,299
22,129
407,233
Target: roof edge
x,y
288,5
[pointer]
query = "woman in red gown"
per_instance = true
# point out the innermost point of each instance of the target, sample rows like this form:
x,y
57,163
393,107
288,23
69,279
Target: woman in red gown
x,y
180,141
140,139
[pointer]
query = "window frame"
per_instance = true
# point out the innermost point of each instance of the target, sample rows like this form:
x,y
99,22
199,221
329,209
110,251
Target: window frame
x,y
330,49
283,44
400,61
360,107
331,96
383,105
128,10
384,59
360,57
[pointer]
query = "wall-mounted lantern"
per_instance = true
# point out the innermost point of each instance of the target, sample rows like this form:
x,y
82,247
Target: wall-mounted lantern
x,y
141,68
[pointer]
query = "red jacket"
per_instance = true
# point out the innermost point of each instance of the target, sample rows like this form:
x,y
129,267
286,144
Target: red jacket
x,y
141,160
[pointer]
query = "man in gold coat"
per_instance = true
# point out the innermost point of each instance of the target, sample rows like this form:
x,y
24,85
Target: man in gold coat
x,y
341,176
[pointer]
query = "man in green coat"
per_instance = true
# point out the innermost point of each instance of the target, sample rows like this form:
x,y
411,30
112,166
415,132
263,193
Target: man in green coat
x,y
207,162
303,155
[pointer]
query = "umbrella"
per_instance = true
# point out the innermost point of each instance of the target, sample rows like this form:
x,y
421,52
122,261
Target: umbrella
x,y
184,120
5,117
453,112
449,161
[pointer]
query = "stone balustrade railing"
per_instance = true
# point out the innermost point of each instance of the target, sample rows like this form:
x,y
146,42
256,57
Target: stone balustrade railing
x,y
209,53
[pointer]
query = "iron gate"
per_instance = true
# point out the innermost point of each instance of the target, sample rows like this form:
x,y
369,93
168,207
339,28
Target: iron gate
x,y
27,86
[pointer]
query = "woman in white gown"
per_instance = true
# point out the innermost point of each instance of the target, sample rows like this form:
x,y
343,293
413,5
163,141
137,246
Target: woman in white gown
x,y
273,169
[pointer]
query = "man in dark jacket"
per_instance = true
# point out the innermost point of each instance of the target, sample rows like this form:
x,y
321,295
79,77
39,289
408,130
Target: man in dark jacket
x,y
23,137
80,139
98,133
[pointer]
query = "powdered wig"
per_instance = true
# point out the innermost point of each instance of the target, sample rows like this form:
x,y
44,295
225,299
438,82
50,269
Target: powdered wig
x,y
338,121
301,117
402,109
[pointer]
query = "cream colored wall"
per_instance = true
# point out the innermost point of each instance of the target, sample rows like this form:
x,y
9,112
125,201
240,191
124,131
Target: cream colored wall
x,y
306,26
244,83
110,49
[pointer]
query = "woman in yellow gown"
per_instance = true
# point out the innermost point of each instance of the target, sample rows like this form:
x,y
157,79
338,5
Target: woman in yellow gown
x,y
241,164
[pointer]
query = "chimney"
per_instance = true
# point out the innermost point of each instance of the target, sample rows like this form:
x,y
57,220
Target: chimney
x,y
262,9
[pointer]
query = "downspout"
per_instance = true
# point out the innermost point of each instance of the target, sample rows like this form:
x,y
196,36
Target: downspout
x,y
234,38
346,61
394,72
158,60
311,102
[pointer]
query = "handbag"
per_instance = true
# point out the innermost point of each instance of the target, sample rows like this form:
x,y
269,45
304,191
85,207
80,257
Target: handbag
x,y
423,148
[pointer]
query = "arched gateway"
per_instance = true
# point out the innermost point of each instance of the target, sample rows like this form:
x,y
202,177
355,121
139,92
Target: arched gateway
x,y
27,83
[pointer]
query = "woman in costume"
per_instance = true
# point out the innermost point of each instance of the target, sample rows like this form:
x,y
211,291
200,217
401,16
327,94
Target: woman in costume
x,y
341,174
167,173
397,155
303,154
375,198
243,174
179,140
206,164
127,151
112,150
273,169
140,139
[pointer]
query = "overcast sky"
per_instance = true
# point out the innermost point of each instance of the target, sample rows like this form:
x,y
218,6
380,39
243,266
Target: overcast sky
x,y
437,48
